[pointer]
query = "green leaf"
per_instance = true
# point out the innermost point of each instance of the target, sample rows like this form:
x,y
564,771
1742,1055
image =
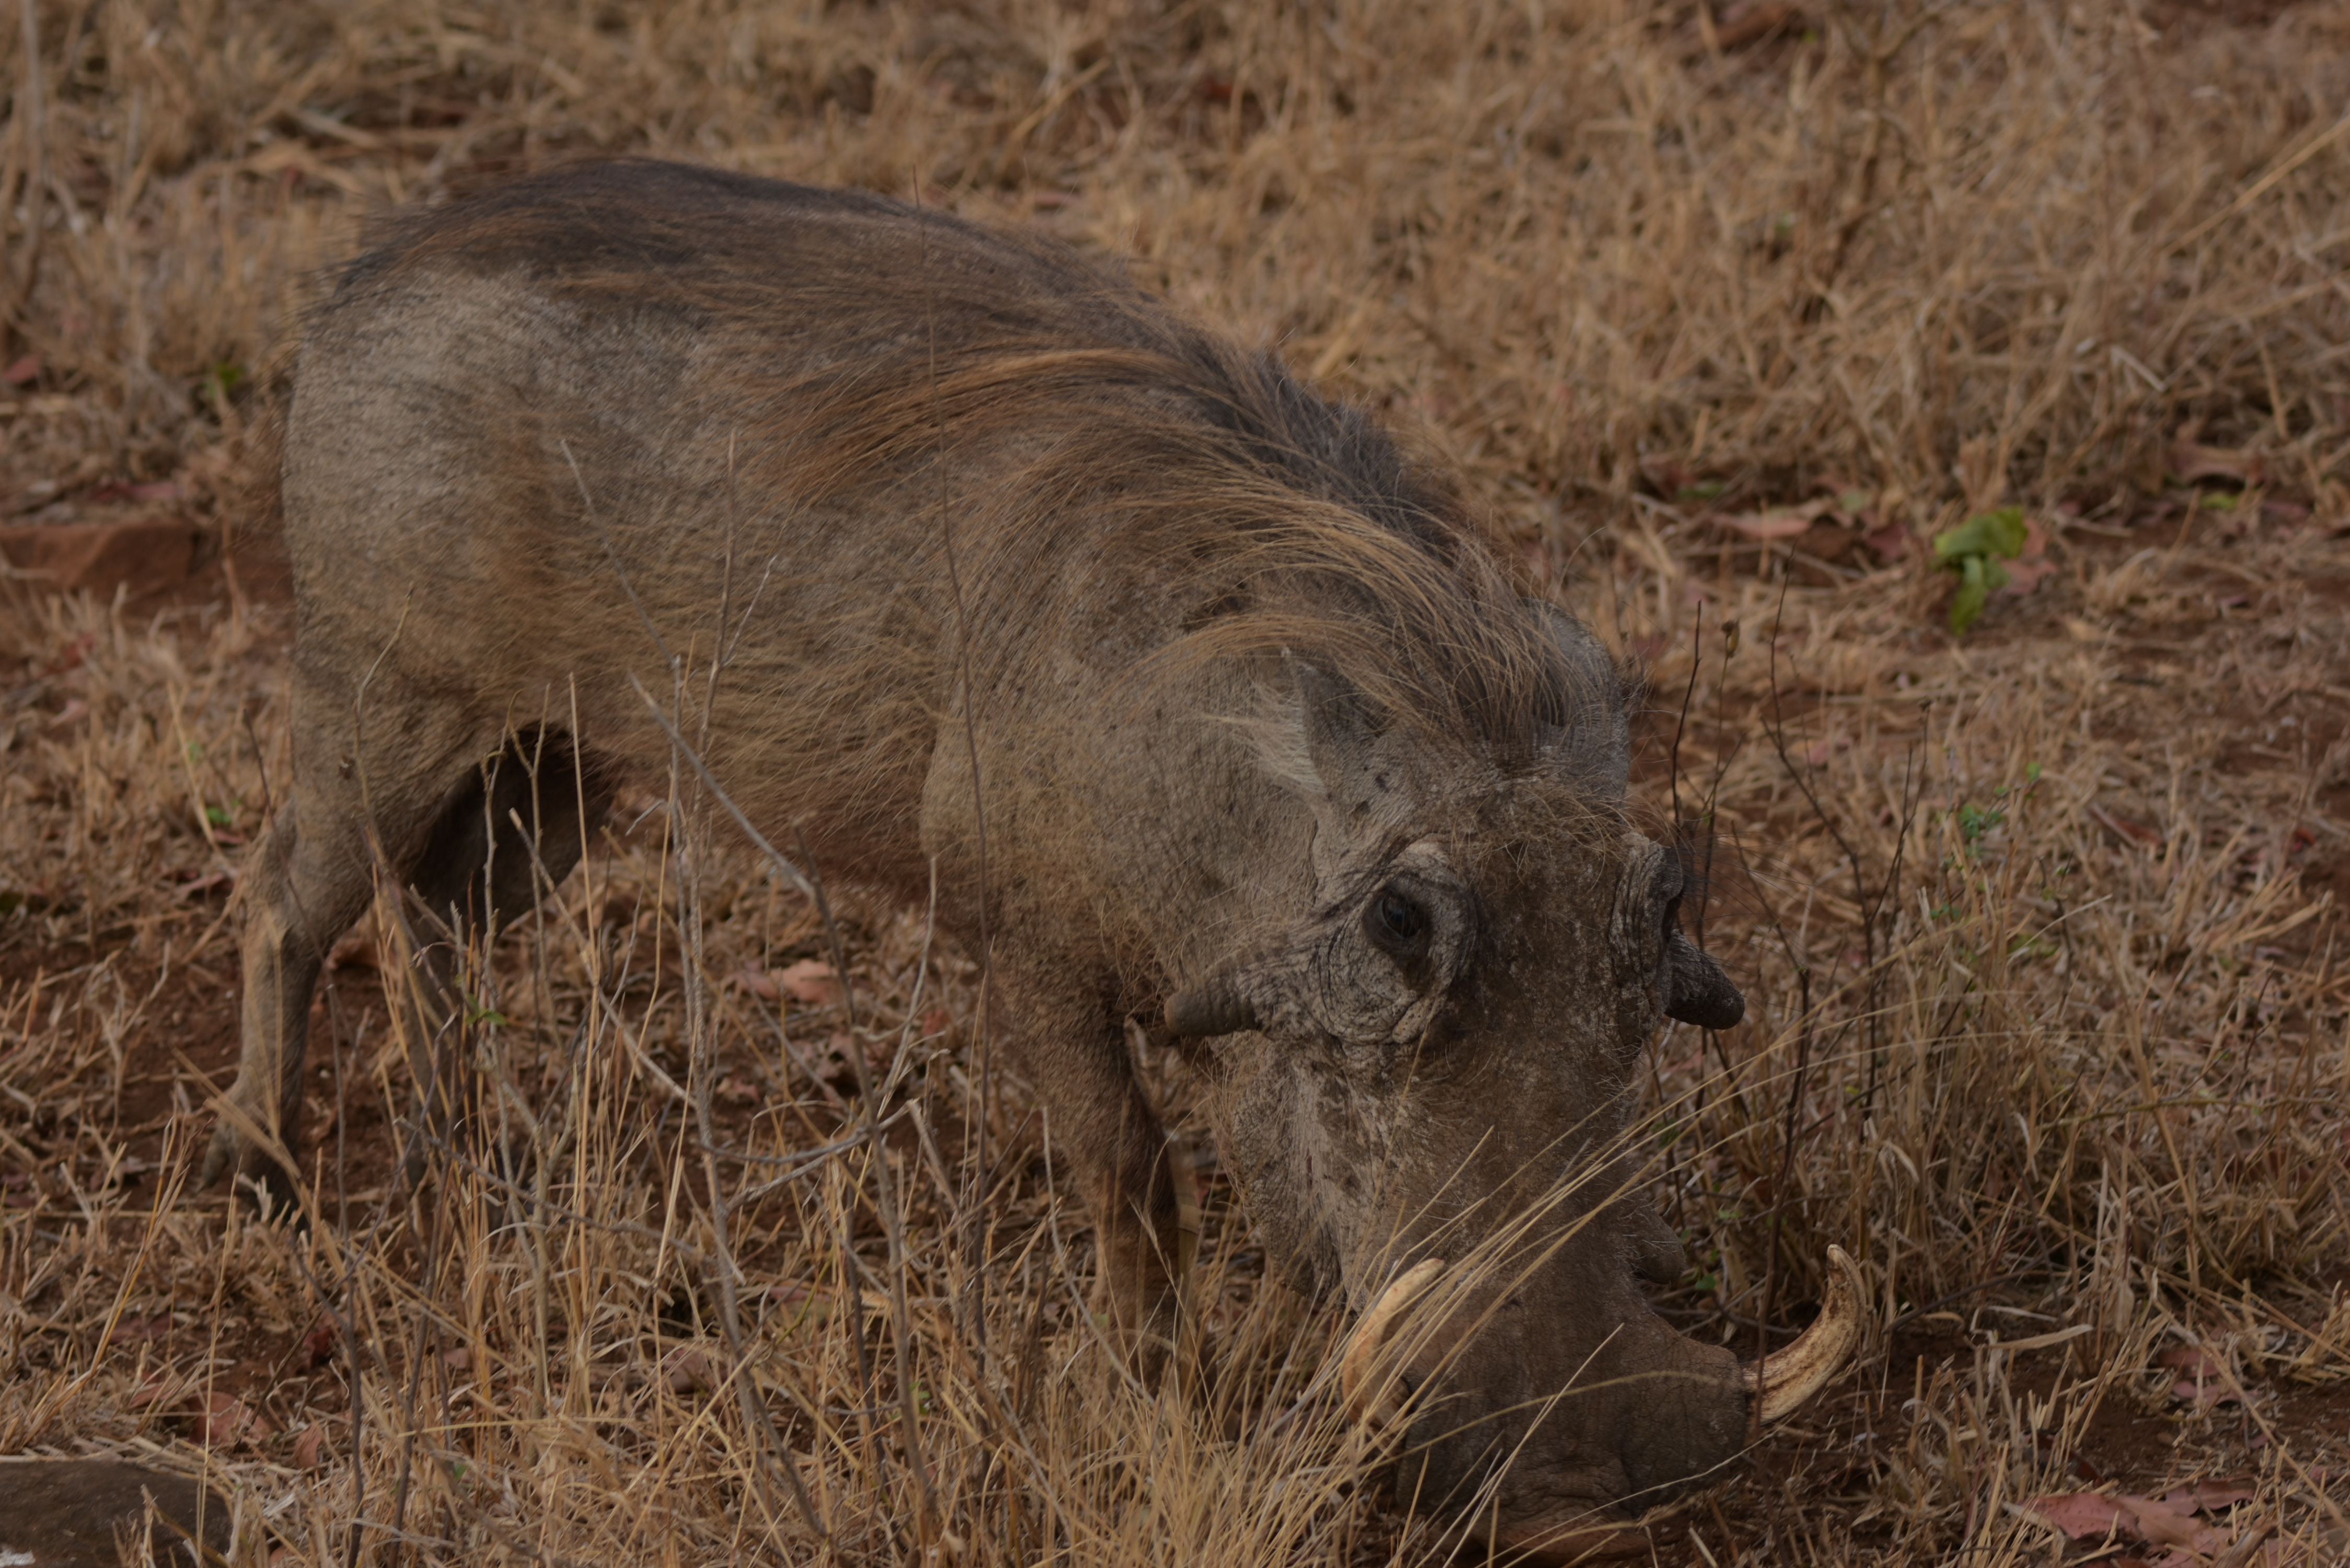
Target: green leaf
x,y
221,383
1974,593
1974,821
2001,533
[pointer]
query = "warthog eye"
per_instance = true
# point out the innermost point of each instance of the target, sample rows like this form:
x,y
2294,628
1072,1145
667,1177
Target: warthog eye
x,y
1396,922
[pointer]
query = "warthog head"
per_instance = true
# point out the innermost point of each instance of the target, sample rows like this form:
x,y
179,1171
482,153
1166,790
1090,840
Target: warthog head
x,y
1431,1059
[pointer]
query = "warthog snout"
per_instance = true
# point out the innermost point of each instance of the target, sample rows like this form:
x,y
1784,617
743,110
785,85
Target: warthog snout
x,y
1549,1437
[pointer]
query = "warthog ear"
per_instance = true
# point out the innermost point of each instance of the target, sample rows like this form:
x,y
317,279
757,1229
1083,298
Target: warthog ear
x,y
1592,732
1325,742
1696,990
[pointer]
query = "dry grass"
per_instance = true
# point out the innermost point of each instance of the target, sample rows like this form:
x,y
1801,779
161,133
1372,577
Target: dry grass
x,y
2047,1022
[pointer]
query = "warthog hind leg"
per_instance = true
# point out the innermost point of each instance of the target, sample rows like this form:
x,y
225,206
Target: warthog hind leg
x,y
465,855
301,890
500,846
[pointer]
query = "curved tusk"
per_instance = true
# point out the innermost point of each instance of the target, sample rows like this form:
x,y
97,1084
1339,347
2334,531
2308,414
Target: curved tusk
x,y
1783,1379
1354,1381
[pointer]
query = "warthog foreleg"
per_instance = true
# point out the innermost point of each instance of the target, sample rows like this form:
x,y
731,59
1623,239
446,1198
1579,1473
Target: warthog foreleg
x,y
1100,1122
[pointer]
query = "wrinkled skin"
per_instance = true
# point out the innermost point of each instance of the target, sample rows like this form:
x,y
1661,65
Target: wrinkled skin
x,y
1442,1046
954,503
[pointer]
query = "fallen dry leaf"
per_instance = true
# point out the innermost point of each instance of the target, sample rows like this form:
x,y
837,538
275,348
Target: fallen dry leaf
x,y
135,1330
2204,1379
2158,1524
755,980
2206,1495
2083,1515
2023,577
160,1388
306,1447
227,1420
2029,569
2137,833
1891,542
210,882
811,980
2095,1516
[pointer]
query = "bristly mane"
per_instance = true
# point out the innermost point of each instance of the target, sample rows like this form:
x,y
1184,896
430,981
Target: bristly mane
x,y
1283,521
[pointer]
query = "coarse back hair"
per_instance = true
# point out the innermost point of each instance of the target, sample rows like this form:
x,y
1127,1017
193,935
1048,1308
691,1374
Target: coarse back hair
x,y
1009,389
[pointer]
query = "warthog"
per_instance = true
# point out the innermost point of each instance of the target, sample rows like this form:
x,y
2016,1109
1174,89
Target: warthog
x,y
1187,686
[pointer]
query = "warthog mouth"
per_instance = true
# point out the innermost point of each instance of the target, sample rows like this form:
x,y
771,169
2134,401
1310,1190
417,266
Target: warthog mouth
x,y
1576,1529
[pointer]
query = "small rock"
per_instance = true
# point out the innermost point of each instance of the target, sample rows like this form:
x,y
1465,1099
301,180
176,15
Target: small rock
x,y
98,557
63,1513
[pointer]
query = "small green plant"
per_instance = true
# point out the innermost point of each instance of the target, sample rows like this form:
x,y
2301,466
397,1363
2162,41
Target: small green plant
x,y
1975,549
2025,945
221,383
1974,821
